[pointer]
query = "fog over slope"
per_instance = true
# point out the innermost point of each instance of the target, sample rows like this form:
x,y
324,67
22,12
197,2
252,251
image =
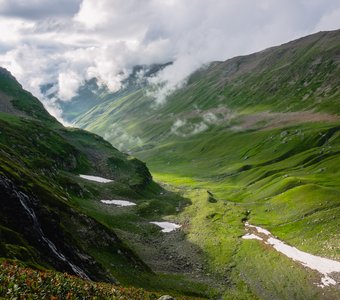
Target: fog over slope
x,y
74,41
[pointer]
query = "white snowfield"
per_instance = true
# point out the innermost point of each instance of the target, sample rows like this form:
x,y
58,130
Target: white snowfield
x,y
167,226
118,202
95,178
323,265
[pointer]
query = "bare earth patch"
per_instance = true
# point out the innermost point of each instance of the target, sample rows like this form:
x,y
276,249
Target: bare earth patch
x,y
6,105
269,120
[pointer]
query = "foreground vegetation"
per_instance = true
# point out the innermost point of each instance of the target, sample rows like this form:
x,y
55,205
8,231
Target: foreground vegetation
x,y
19,282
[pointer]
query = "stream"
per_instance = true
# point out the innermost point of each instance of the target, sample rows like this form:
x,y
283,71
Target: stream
x,y
23,200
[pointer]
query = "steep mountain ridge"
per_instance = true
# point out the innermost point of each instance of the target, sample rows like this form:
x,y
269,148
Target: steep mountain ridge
x,y
300,79
38,224
15,100
299,75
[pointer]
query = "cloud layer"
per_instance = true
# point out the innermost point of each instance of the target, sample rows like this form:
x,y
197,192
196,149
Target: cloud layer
x,y
68,41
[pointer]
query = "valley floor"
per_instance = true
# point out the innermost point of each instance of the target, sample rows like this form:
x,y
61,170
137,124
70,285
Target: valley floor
x,y
244,268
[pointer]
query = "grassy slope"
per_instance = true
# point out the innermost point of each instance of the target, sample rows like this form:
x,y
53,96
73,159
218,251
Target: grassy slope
x,y
282,175
301,75
296,196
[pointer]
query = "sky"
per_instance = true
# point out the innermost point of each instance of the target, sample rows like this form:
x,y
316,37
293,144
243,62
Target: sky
x,y
66,42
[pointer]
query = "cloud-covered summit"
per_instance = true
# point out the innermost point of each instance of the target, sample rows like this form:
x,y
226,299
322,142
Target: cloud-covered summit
x,y
69,41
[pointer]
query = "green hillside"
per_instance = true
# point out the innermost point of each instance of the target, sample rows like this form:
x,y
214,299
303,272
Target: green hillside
x,y
52,219
261,134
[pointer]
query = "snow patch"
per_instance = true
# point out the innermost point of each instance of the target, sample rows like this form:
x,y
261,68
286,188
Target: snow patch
x,y
167,226
118,202
251,236
323,265
95,178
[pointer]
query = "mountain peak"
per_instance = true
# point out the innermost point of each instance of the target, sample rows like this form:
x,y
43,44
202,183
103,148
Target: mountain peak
x,y
5,72
17,101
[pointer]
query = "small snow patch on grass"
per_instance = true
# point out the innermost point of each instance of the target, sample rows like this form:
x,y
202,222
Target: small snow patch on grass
x,y
118,202
167,226
96,178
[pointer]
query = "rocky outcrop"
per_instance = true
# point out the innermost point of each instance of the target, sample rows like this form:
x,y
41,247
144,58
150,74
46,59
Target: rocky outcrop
x,y
43,226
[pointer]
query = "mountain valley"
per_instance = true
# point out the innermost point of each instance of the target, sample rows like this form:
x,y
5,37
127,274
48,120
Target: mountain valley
x,y
254,140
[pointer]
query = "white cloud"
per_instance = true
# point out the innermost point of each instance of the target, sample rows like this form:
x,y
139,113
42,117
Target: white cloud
x,y
173,77
330,21
177,125
92,13
198,128
67,42
210,118
123,140
68,84
185,128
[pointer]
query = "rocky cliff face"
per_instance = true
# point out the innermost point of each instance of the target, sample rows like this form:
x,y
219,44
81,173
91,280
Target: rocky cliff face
x,y
44,234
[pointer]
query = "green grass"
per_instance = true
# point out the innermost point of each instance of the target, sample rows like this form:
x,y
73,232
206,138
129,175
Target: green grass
x,y
272,275
249,267
44,163
42,159
292,189
284,179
